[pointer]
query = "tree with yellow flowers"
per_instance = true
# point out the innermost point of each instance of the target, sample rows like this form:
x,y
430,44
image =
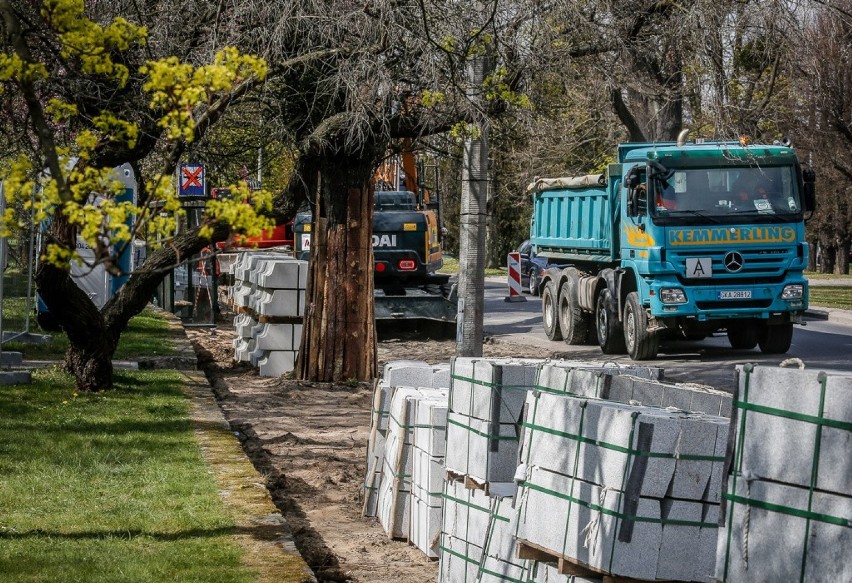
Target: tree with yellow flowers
x,y
74,149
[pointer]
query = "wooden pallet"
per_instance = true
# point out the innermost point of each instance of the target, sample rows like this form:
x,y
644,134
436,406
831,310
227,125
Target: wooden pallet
x,y
570,566
469,482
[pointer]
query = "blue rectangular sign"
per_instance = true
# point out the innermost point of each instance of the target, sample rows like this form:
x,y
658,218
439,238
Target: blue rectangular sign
x,y
191,180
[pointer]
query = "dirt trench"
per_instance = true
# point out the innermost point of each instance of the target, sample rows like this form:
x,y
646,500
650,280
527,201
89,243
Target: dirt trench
x,y
309,441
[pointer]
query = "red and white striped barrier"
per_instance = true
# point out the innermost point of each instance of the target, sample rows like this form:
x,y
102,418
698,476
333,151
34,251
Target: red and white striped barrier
x,y
513,261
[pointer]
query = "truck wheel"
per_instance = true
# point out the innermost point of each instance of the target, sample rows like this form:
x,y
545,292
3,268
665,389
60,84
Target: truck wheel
x,y
572,321
549,316
610,334
640,344
776,339
533,285
743,336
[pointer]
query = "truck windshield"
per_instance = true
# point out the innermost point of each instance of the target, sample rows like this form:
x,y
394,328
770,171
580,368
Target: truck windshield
x,y
721,194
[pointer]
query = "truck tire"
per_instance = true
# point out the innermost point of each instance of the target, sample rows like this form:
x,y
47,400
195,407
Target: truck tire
x,y
610,334
640,344
572,321
743,336
776,339
549,312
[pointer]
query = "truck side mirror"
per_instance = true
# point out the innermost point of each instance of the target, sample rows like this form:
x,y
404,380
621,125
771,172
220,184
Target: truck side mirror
x,y
809,189
632,182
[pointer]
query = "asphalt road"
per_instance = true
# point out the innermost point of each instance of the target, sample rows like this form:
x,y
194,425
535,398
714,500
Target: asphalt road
x,y
824,342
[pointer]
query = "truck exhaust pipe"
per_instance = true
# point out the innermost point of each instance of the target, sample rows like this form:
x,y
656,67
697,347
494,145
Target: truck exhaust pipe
x,y
681,137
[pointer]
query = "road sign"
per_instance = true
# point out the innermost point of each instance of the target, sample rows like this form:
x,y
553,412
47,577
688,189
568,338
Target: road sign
x,y
191,180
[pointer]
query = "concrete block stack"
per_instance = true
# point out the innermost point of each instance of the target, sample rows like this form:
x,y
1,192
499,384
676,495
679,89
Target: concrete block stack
x,y
487,399
621,489
269,298
243,289
396,488
635,385
788,497
483,423
467,515
411,373
478,543
427,476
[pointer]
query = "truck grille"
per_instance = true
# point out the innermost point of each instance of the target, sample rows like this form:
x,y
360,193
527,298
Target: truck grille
x,y
760,266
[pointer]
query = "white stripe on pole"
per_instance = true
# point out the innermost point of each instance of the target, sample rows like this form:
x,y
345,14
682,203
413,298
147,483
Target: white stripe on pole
x,y
513,261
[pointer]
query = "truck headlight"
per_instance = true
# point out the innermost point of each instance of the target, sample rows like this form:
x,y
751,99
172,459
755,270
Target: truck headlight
x,y
793,291
672,295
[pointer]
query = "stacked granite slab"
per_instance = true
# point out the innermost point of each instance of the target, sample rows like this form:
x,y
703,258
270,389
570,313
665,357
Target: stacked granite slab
x,y
427,477
788,497
269,296
412,373
483,422
486,402
467,515
395,491
478,543
626,490
634,385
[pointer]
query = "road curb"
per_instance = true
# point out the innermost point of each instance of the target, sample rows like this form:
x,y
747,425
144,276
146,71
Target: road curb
x,y
832,315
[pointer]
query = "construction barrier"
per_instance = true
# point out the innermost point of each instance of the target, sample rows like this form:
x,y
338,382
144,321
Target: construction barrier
x,y
513,262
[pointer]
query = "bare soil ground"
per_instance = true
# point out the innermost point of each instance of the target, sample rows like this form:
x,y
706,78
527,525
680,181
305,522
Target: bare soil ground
x,y
309,440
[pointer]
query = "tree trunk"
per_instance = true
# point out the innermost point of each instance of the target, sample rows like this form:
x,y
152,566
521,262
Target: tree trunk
x,y
339,336
93,335
89,357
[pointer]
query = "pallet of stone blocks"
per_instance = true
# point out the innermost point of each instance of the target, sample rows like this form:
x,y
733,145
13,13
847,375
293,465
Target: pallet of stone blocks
x,y
618,489
269,297
487,397
478,546
788,496
633,385
412,373
409,491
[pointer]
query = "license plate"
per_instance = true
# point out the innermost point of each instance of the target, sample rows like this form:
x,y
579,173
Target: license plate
x,y
742,294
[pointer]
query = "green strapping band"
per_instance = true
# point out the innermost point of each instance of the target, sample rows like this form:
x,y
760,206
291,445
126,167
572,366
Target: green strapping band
x,y
415,426
456,377
816,420
459,555
622,449
482,433
616,514
553,391
474,506
827,518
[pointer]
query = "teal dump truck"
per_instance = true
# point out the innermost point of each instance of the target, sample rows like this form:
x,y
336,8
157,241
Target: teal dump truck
x,y
676,240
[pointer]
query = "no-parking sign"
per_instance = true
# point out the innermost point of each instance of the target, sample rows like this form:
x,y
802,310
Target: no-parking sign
x,y
191,180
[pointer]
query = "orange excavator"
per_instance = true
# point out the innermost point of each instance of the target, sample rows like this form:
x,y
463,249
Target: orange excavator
x,y
407,251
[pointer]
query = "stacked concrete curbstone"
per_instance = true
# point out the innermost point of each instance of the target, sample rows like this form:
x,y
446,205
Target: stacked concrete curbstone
x,y
620,489
269,297
788,497
406,448
395,489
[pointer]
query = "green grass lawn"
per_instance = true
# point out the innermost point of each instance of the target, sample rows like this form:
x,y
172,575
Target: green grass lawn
x,y
108,487
147,335
835,296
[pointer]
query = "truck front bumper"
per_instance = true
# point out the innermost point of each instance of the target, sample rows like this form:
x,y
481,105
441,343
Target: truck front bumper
x,y
730,300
